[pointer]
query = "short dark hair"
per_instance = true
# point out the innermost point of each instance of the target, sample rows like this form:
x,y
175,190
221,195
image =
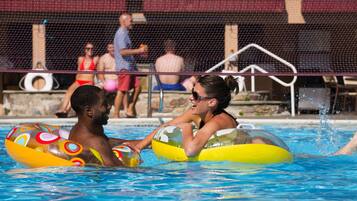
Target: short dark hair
x,y
170,45
86,95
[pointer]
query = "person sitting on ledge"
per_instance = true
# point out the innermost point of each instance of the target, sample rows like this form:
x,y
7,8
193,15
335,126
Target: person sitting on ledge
x,y
170,62
92,109
88,62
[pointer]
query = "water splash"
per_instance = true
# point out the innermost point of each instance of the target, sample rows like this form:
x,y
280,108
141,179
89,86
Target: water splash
x,y
327,139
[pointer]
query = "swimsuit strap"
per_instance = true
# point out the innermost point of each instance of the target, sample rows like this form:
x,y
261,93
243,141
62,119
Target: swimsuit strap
x,y
91,66
202,123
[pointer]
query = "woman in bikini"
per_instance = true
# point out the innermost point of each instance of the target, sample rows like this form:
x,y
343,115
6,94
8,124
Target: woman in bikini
x,y
210,96
88,62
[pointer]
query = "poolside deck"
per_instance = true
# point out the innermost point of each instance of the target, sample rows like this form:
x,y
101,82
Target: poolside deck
x,y
30,105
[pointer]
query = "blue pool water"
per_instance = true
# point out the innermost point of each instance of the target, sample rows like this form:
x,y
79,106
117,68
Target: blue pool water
x,y
312,175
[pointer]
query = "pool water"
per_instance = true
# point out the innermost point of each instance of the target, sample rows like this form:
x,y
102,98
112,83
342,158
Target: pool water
x,y
312,176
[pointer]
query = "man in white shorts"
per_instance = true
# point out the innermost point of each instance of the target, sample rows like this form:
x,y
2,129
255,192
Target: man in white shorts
x,y
107,63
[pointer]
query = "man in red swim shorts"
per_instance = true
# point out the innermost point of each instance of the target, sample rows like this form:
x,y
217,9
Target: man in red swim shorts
x,y
125,62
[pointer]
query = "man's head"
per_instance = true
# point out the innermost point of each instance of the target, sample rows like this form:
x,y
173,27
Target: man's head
x,y
110,49
126,20
170,46
90,101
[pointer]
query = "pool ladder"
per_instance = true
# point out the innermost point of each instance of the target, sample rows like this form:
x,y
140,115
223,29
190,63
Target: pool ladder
x,y
161,103
255,67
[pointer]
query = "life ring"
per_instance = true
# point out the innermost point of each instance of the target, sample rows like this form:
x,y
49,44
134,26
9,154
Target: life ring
x,y
29,78
235,145
42,145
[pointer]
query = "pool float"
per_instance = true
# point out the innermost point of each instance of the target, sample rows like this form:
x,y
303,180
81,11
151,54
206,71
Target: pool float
x,y
42,145
30,77
235,145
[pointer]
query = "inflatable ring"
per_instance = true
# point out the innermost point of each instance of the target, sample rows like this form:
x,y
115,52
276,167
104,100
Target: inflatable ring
x,y
42,145
235,145
31,76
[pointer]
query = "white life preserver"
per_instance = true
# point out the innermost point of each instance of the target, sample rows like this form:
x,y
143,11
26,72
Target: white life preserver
x,y
31,76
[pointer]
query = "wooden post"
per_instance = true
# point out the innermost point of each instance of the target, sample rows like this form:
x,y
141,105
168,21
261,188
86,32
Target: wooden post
x,y
3,43
230,43
294,10
38,52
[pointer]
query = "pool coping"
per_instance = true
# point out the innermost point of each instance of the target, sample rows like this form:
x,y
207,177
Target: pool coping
x,y
160,120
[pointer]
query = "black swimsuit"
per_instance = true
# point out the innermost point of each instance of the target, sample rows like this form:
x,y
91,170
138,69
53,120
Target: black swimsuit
x,y
202,123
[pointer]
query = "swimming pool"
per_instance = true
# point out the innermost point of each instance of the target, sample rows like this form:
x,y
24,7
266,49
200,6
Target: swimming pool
x,y
310,176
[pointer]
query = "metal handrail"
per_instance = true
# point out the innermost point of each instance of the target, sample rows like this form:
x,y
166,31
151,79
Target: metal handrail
x,y
161,102
254,67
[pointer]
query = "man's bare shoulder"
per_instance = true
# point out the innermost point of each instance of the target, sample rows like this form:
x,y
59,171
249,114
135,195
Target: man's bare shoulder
x,y
84,136
160,58
97,142
104,56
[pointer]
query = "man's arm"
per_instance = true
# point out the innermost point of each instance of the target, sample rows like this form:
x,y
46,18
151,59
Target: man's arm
x,y
100,67
129,52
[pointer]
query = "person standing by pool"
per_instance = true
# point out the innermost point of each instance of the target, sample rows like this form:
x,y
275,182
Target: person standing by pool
x,y
88,62
125,62
92,109
210,96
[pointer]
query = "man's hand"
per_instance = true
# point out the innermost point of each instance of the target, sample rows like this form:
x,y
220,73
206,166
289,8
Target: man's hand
x,y
144,49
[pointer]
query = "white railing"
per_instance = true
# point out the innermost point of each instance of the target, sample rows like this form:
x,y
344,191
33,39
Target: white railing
x,y
254,67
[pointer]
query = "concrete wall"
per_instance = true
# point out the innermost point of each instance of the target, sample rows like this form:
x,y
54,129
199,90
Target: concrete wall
x,y
45,104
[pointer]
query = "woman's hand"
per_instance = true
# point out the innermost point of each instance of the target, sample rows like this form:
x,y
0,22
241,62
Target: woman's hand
x,y
132,145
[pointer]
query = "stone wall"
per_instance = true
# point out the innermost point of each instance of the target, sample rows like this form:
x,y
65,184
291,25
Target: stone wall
x,y
32,104
41,104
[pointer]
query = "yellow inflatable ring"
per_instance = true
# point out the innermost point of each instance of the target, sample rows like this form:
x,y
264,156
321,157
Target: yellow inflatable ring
x,y
42,145
235,145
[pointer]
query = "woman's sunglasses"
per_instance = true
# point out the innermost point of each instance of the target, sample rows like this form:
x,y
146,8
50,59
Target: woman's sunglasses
x,y
197,97
88,48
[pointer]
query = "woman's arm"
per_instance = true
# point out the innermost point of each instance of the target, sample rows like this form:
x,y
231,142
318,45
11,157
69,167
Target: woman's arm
x,y
194,144
184,118
79,61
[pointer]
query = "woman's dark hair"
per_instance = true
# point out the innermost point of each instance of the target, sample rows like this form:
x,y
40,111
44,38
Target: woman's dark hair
x,y
219,88
86,95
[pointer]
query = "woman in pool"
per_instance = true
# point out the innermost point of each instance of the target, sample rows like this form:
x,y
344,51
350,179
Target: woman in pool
x,y
210,96
88,62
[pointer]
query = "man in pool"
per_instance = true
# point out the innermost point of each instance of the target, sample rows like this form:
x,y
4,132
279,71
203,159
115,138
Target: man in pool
x,y
91,106
349,148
